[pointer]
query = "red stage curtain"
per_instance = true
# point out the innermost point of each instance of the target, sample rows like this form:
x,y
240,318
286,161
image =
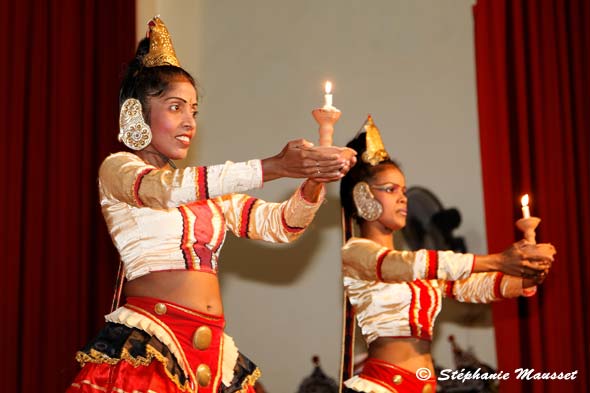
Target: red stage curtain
x,y
533,86
59,71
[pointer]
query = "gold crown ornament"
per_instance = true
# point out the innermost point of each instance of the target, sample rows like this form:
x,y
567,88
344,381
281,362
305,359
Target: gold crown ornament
x,y
161,49
375,151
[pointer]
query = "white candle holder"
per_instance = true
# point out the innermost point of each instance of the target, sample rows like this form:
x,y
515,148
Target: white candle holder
x,y
326,118
528,226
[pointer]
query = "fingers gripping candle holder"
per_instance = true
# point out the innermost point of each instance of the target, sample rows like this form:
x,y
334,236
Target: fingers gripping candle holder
x,y
527,225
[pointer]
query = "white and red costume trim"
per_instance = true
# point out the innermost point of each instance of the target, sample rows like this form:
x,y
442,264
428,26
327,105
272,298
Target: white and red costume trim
x,y
161,219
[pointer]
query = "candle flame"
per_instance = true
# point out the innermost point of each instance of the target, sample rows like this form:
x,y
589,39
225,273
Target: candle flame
x,y
524,201
328,87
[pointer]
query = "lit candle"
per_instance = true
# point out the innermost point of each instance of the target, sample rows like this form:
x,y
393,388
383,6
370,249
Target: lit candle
x,y
328,95
524,201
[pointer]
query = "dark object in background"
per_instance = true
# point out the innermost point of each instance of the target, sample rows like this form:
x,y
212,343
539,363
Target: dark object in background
x,y
429,225
466,361
447,221
318,381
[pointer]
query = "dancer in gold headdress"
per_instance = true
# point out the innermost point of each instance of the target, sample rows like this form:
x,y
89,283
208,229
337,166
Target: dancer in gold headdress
x,y
396,295
169,225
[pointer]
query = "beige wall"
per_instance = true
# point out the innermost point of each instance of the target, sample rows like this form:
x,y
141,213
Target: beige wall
x,y
261,65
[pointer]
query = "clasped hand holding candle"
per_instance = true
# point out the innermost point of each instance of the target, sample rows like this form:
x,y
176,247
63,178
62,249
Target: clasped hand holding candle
x,y
527,225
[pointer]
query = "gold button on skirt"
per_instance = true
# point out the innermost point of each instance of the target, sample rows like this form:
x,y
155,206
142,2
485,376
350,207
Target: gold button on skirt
x,y
202,338
203,375
160,308
397,379
427,389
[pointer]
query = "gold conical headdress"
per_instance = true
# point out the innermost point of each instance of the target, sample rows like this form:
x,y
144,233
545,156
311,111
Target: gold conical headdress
x,y
161,49
375,151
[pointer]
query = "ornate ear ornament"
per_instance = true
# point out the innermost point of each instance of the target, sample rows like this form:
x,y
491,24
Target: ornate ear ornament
x,y
375,151
367,207
161,49
133,130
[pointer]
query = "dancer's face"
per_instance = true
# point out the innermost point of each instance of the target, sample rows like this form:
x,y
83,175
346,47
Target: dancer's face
x,y
389,188
173,119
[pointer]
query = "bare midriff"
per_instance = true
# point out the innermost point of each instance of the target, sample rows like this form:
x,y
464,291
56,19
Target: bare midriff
x,y
409,353
192,289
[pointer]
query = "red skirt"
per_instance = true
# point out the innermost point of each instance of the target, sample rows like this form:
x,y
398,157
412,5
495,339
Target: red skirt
x,y
189,358
396,379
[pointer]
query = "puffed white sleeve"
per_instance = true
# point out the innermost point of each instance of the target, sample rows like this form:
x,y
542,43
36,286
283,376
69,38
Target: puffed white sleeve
x,y
371,261
485,288
284,222
126,177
